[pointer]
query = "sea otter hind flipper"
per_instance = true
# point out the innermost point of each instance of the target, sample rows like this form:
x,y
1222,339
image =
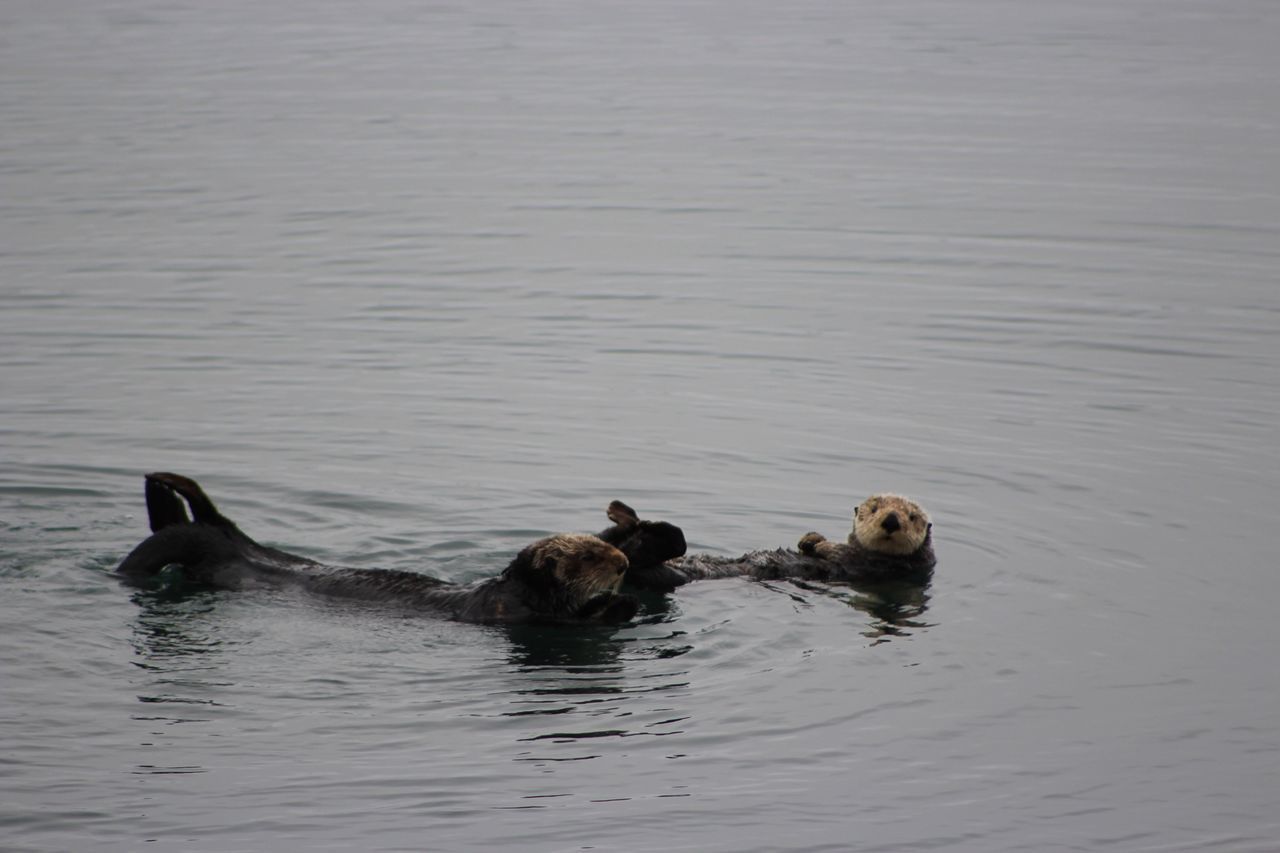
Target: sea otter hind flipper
x,y
164,508
202,509
211,540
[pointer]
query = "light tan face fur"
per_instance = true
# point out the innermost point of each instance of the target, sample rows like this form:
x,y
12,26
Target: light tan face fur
x,y
583,564
874,521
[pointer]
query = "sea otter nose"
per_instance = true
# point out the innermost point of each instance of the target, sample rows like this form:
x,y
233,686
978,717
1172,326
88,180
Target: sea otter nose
x,y
890,523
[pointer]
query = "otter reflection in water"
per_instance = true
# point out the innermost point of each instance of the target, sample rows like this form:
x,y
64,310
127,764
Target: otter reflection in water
x,y
567,578
896,608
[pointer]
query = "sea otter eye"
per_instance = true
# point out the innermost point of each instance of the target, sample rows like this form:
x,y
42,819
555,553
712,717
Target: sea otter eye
x,y
914,517
549,564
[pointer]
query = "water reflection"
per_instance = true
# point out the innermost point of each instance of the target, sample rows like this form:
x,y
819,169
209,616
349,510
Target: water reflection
x,y
178,649
171,629
577,688
563,647
174,642
534,646
896,607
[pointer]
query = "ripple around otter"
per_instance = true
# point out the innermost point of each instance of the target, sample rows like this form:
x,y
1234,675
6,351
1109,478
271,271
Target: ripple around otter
x,y
410,286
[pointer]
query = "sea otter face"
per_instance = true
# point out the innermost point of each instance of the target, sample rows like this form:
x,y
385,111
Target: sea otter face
x,y
571,568
890,524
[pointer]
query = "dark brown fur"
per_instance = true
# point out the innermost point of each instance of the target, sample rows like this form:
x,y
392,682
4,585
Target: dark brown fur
x,y
648,545
565,578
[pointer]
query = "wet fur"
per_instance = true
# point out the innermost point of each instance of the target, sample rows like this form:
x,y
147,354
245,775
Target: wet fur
x,y
891,540
648,545
564,578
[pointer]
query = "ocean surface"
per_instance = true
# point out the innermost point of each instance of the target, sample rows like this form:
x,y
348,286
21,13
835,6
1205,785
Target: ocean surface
x,y
409,285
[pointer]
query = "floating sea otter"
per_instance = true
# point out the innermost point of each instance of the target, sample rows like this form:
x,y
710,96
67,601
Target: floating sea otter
x,y
891,541
568,578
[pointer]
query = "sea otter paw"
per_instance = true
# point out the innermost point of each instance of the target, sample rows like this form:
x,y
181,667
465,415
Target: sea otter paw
x,y
609,607
622,515
809,543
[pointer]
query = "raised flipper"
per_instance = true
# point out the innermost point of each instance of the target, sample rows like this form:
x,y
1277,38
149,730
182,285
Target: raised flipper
x,y
208,540
202,509
164,507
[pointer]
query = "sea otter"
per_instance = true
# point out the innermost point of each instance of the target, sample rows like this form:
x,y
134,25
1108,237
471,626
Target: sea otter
x,y
567,578
892,540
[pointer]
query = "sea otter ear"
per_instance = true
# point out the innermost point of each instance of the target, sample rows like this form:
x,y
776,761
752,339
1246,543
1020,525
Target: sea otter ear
x,y
548,564
928,527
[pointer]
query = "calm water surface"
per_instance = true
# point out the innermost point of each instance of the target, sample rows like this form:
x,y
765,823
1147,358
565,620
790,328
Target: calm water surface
x,y
410,285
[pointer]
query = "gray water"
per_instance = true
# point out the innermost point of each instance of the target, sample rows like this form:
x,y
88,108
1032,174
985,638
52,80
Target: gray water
x,y
410,285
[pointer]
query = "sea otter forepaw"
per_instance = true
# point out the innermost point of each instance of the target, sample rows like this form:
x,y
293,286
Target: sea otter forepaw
x,y
609,607
809,543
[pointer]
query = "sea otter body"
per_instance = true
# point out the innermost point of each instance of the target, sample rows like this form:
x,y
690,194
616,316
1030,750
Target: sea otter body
x,y
891,541
567,578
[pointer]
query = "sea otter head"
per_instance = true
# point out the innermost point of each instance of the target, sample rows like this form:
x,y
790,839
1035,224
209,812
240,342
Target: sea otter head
x,y
573,576
890,524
